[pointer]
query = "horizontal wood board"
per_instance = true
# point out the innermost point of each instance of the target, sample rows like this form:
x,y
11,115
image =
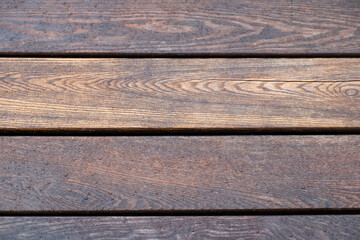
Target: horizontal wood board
x,y
180,26
179,173
128,94
206,227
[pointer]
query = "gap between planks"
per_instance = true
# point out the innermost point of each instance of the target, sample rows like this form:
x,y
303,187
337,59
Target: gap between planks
x,y
207,212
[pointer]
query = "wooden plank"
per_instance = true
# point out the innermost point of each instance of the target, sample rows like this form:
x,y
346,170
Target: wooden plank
x,y
179,93
206,227
180,26
179,173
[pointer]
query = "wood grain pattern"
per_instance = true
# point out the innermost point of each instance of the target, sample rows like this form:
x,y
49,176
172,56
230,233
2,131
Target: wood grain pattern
x,y
179,93
179,173
180,26
239,227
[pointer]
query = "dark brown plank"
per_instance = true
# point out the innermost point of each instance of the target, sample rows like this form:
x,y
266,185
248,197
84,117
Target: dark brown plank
x,y
239,227
181,173
180,26
179,93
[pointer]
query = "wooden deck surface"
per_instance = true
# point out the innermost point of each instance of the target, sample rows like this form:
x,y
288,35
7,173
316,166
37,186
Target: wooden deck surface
x,y
180,119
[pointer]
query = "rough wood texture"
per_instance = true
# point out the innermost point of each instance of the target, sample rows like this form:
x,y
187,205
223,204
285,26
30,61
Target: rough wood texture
x,y
240,227
180,26
179,93
183,173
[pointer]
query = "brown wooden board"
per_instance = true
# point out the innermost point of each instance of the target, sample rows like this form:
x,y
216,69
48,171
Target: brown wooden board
x,y
180,26
127,94
179,173
206,227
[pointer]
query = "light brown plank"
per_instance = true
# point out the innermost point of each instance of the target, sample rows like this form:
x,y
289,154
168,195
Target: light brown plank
x,y
179,173
180,26
179,93
239,227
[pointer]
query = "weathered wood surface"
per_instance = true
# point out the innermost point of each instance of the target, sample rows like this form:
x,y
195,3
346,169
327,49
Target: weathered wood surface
x,y
207,227
179,173
180,26
179,93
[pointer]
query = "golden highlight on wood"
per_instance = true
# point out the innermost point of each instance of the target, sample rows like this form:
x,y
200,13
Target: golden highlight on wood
x,y
127,94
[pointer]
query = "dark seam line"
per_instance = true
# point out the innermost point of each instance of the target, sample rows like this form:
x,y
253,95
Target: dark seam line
x,y
179,132
176,55
150,213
